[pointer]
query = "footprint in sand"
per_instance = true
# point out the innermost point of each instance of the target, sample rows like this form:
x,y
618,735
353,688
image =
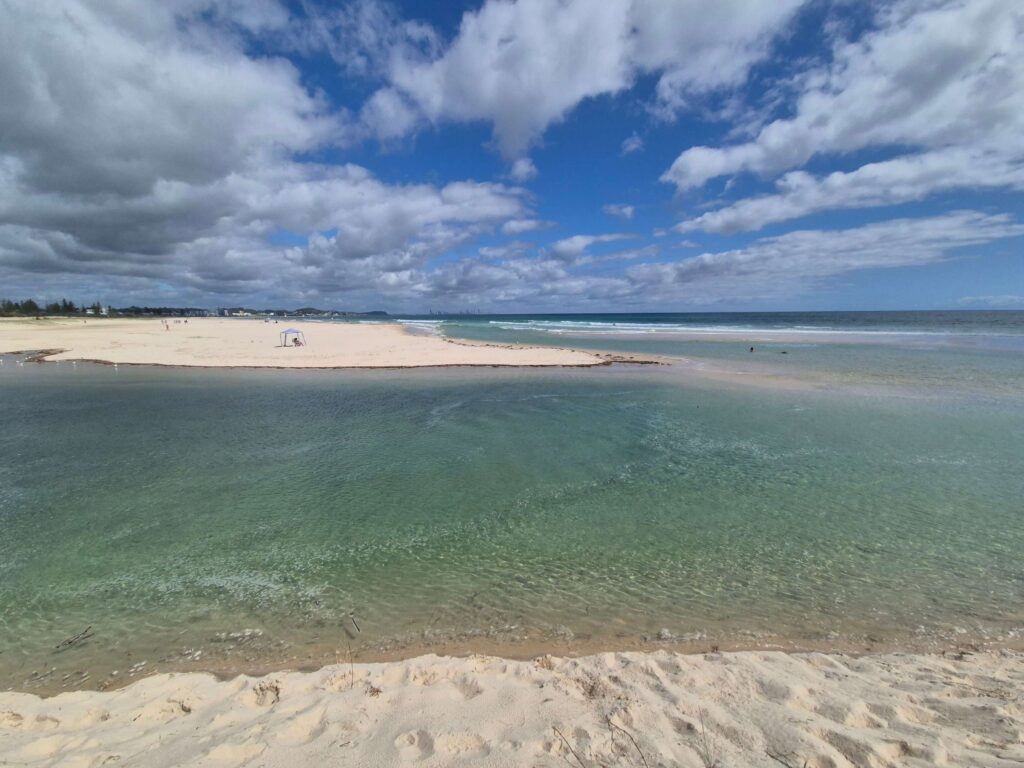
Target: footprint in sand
x,y
467,744
795,697
163,711
867,753
468,686
41,748
267,693
235,754
91,761
87,719
855,715
305,727
415,745
425,678
37,723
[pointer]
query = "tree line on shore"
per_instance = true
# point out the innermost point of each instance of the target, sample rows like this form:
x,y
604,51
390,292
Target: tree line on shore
x,y
66,307
32,308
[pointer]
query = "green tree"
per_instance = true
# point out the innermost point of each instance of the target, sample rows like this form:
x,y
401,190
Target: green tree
x,y
29,307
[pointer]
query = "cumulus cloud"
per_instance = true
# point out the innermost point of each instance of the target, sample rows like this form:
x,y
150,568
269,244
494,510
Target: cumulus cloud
x,y
103,102
524,65
900,180
215,237
939,82
142,146
147,153
522,170
769,269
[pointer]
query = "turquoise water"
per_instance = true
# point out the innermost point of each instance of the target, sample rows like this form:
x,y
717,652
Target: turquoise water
x,y
513,511
981,353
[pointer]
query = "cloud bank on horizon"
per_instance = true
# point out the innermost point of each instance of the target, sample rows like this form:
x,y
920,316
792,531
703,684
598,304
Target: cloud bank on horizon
x,y
522,155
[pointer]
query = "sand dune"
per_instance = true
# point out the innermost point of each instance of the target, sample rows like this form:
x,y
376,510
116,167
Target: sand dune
x,y
627,709
223,342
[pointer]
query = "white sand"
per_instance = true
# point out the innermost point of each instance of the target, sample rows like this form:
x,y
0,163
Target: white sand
x,y
743,709
224,342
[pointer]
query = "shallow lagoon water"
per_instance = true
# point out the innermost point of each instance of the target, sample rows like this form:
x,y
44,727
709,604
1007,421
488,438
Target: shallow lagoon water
x,y
571,509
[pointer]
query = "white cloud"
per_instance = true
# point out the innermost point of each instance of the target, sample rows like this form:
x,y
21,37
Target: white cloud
x,y
388,115
632,144
141,146
770,269
799,261
938,81
102,101
700,46
632,254
571,247
522,170
524,65
520,65
145,152
619,211
519,226
900,180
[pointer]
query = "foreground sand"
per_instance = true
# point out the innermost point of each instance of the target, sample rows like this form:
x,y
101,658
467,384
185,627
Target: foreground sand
x,y
741,709
225,343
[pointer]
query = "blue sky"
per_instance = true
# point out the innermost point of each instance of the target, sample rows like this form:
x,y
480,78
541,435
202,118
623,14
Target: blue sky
x,y
527,155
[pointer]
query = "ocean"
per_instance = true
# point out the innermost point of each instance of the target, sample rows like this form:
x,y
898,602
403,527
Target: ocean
x,y
854,482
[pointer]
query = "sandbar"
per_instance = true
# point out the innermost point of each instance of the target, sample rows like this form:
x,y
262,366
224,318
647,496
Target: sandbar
x,y
246,343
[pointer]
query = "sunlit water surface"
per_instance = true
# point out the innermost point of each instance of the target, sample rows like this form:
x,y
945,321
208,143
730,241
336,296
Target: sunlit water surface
x,y
249,519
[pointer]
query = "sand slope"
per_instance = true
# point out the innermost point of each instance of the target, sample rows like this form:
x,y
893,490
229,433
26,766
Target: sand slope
x,y
224,342
742,709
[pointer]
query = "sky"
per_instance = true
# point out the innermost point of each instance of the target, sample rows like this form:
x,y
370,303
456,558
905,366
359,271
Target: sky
x,y
514,155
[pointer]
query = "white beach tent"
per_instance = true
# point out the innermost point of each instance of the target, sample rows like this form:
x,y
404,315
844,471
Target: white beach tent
x,y
296,336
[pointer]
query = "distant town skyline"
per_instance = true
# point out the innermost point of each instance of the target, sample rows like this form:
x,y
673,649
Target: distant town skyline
x,y
528,156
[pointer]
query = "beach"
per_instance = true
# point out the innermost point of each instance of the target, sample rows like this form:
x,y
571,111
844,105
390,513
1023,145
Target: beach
x,y
515,383
756,709
234,343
